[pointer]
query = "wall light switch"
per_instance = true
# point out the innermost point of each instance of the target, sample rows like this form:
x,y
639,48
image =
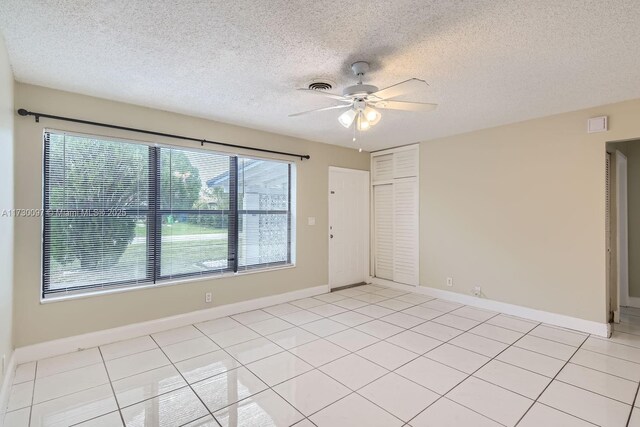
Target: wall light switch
x,y
311,220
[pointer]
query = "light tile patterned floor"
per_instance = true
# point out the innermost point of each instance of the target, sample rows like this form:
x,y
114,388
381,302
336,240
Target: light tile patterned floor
x,y
366,356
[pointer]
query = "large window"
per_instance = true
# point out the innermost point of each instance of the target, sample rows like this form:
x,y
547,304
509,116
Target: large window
x,y
119,213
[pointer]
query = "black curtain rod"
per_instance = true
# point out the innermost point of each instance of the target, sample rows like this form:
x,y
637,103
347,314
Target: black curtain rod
x,y
37,116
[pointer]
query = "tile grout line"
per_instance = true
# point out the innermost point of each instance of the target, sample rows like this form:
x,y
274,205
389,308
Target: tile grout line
x,y
113,390
188,385
614,342
300,309
247,325
566,413
465,379
483,365
104,365
605,372
349,327
423,355
326,317
348,354
33,393
551,382
243,365
419,355
497,385
635,399
591,391
269,387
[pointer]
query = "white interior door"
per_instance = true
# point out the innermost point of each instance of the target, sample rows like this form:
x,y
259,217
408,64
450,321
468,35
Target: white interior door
x,y
348,226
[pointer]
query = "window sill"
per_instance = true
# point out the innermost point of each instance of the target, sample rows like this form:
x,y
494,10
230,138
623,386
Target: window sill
x,y
170,282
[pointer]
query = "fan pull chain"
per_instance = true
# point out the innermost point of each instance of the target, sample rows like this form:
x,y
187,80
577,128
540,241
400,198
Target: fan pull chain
x,y
354,137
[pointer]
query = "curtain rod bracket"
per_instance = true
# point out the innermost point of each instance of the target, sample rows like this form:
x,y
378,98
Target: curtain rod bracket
x,y
37,116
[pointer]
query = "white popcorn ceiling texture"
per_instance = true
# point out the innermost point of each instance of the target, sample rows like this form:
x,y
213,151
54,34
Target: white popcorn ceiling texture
x,y
488,62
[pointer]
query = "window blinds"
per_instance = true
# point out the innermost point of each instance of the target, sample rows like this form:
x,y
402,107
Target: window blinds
x,y
96,201
123,214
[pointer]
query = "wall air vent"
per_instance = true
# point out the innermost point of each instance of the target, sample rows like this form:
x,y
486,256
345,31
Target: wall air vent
x,y
598,124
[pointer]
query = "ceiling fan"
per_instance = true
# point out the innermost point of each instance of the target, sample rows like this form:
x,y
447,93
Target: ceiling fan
x,y
362,101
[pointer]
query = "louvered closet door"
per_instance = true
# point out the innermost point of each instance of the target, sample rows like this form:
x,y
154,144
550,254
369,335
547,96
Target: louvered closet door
x,y
382,168
405,163
405,224
383,234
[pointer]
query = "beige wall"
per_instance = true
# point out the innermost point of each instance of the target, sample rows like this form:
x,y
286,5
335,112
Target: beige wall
x,y
6,203
520,211
517,209
35,322
633,201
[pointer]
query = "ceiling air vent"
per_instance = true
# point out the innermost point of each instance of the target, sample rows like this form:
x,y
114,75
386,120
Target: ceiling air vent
x,y
320,85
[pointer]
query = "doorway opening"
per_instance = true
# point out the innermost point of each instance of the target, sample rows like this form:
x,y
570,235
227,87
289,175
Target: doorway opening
x,y
623,226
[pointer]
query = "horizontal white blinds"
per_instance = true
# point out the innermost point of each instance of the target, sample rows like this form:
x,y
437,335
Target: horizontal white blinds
x,y
96,199
194,213
264,213
123,214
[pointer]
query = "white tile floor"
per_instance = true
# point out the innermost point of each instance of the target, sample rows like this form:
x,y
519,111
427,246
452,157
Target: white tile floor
x,y
365,356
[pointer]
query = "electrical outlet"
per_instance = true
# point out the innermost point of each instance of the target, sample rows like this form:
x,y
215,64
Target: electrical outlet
x,y
207,297
449,281
477,291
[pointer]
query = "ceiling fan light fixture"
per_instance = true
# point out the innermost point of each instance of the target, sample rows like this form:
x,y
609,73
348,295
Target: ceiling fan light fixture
x,y
362,102
362,124
373,116
346,119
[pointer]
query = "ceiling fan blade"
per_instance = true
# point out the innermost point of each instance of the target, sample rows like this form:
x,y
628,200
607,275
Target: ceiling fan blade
x,y
405,106
326,94
401,88
333,107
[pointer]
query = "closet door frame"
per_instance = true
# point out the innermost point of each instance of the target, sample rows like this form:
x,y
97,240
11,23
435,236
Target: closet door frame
x,y
415,174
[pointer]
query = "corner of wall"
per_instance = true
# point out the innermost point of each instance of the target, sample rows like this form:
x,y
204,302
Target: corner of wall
x,y
7,142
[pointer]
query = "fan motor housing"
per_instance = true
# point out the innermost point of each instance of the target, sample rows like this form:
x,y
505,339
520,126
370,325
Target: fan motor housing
x,y
359,90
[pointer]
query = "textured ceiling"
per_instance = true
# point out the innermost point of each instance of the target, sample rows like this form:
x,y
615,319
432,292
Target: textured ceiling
x,y
488,62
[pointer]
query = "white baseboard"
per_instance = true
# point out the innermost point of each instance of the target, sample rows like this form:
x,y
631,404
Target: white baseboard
x,y
633,302
5,387
93,339
582,325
